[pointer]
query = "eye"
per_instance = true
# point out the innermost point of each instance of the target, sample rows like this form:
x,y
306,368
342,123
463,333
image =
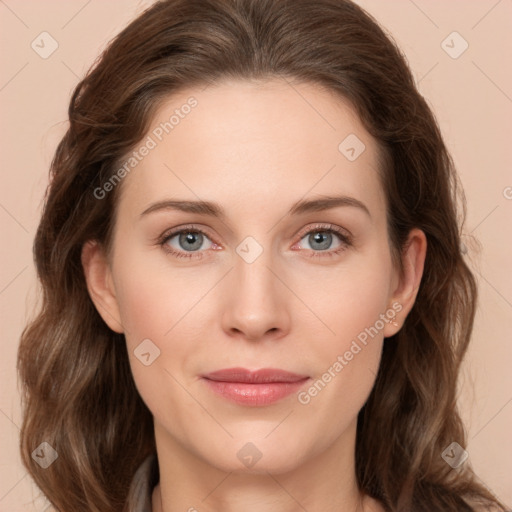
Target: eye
x,y
189,241
320,239
186,242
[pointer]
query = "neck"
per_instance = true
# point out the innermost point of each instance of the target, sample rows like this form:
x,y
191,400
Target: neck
x,y
325,481
363,504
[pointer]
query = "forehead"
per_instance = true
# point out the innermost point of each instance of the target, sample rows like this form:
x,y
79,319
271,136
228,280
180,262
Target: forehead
x,y
253,145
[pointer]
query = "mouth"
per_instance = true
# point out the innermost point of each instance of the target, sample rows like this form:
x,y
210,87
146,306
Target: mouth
x,y
254,388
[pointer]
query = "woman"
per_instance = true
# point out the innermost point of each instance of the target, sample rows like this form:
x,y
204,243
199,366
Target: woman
x,y
195,349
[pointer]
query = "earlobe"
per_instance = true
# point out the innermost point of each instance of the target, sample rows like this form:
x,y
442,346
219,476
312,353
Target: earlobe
x,y
100,285
404,295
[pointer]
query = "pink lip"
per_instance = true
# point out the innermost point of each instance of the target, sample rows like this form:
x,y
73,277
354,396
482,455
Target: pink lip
x,y
255,388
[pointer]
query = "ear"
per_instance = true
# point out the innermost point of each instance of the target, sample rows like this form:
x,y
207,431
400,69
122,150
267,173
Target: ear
x,y
407,285
100,285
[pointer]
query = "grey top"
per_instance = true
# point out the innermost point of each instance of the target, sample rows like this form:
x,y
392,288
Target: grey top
x,y
143,482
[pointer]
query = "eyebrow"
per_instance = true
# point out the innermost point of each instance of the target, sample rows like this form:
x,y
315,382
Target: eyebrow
x,y
300,207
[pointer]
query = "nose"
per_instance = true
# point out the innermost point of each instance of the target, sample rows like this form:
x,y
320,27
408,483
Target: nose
x,y
257,301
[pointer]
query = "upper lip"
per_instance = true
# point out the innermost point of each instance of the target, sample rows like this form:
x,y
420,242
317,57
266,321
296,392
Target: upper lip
x,y
254,377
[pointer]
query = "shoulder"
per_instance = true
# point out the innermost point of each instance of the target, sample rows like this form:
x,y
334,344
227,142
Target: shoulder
x,y
143,482
372,505
141,487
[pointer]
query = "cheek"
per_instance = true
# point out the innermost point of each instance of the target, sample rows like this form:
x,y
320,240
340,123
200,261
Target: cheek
x,y
348,346
349,299
346,361
153,297
157,338
159,304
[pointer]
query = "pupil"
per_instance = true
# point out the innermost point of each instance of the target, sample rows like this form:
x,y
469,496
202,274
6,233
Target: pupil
x,y
324,237
190,240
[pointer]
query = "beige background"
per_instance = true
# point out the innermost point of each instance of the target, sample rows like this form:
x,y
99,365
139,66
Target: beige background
x,y
471,96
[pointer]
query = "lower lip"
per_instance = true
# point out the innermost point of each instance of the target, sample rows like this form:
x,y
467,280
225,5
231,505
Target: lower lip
x,y
254,394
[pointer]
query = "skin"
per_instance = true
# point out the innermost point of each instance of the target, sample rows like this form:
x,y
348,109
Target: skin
x,y
255,148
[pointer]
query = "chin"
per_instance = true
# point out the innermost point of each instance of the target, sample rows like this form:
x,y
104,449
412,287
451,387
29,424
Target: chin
x,y
259,456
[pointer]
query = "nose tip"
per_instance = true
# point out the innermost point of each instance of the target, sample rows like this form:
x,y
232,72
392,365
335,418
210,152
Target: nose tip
x,y
253,333
256,305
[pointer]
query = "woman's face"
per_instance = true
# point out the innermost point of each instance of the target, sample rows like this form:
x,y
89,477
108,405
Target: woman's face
x,y
279,279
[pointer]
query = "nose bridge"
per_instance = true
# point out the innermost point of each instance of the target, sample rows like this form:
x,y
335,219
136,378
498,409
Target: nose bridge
x,y
257,301
251,270
252,274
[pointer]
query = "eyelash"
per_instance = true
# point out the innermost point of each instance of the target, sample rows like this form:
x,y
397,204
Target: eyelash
x,y
346,241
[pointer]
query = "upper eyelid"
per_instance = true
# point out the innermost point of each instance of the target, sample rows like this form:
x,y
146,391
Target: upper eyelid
x,y
328,226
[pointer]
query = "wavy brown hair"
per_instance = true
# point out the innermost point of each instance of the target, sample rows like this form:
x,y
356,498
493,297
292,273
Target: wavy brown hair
x,y
78,392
